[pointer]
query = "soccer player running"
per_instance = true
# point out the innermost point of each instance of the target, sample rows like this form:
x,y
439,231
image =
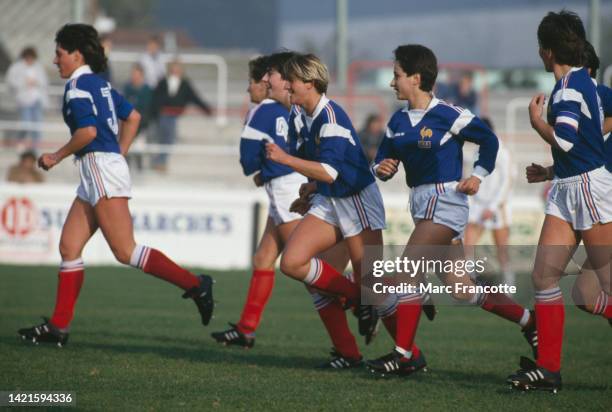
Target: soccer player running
x,y
587,292
93,110
489,209
427,137
578,205
346,204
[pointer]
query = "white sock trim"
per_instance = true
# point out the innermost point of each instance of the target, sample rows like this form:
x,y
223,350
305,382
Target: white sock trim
x,y
316,267
72,265
139,257
405,353
524,318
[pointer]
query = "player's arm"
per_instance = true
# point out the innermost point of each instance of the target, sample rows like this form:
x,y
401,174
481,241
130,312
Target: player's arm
x,y
309,168
130,121
385,163
472,129
80,138
128,131
252,141
536,173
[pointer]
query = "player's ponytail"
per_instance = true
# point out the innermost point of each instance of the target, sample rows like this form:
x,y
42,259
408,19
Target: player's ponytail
x,y
85,39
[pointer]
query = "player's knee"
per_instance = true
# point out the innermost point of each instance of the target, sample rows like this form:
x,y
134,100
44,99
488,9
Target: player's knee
x,y
290,265
122,255
462,296
68,251
262,260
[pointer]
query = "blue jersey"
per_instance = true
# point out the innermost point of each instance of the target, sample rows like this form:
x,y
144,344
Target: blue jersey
x,y
267,122
429,143
605,95
329,137
89,100
575,114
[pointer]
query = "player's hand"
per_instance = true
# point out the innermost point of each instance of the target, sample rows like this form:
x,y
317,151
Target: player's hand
x,y
469,186
536,173
47,160
257,179
306,189
300,205
275,153
536,108
387,168
487,214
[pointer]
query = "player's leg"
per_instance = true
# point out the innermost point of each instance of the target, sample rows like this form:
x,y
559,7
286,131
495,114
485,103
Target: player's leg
x,y
113,217
598,244
311,237
501,238
555,248
78,228
473,232
587,291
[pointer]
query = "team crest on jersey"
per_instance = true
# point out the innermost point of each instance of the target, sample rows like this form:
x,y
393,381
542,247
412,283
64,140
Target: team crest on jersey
x,y
426,134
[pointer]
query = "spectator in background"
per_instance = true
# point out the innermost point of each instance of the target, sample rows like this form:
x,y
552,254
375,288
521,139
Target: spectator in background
x,y
152,62
140,95
371,135
107,44
28,82
25,171
464,94
170,98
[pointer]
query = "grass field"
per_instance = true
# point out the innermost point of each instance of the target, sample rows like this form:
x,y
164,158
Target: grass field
x,y
136,345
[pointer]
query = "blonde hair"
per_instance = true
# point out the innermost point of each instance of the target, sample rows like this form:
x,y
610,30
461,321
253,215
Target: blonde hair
x,y
307,68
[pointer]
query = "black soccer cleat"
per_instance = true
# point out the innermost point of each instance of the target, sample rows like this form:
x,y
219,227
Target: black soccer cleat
x,y
338,361
368,321
45,333
203,297
533,377
233,336
429,308
394,363
530,334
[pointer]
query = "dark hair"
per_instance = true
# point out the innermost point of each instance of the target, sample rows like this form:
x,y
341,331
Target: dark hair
x,y
29,52
590,59
84,38
258,68
563,34
276,61
414,58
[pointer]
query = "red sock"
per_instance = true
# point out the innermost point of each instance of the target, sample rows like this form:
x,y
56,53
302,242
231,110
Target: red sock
x,y
550,316
70,280
155,263
324,277
260,290
334,319
415,351
408,315
503,306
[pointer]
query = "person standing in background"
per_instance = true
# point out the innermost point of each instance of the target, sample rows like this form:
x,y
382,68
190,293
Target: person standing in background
x,y
28,82
170,98
140,95
153,63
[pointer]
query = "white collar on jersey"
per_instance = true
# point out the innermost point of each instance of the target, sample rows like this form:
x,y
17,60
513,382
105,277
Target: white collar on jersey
x,y
416,115
267,101
322,103
85,69
575,69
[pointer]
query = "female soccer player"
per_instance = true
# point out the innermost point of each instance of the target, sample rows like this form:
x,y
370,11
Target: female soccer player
x,y
578,205
587,292
347,203
92,110
427,137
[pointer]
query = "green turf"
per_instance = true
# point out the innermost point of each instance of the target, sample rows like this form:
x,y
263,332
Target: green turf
x,y
135,345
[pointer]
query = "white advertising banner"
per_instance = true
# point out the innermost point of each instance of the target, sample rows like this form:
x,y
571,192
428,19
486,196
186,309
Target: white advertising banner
x,y
195,227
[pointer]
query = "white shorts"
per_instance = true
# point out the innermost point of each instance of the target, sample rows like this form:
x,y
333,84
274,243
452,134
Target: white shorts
x,y
282,191
103,175
582,200
351,214
502,217
441,203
